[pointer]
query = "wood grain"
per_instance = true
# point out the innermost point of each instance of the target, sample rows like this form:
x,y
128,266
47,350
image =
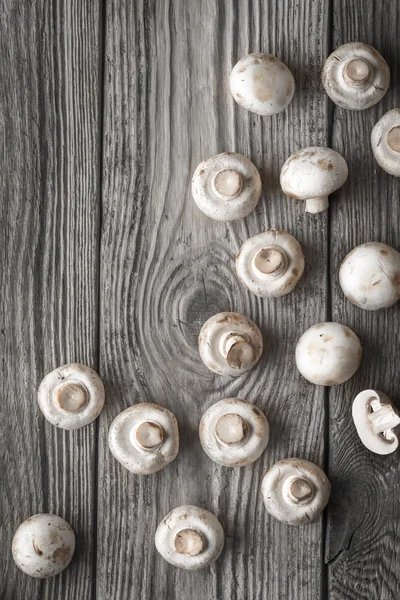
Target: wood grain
x,y
50,209
166,268
364,517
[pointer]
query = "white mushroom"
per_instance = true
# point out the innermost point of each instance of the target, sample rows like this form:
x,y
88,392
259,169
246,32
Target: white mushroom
x,y
233,432
385,140
144,438
190,537
370,276
270,264
375,417
295,491
328,354
313,174
262,84
355,76
71,396
226,187
230,344
43,545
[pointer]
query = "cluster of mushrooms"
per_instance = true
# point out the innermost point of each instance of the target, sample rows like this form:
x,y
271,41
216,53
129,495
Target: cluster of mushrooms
x,y
234,432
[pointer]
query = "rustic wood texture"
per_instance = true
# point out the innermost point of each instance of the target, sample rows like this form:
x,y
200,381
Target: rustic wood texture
x,y
166,268
50,210
364,515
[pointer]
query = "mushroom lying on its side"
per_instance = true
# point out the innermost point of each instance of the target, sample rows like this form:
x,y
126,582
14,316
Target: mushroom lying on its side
x,y
270,264
71,396
226,187
144,438
233,432
295,491
313,174
355,76
43,545
385,141
230,344
328,354
375,418
370,276
190,537
262,84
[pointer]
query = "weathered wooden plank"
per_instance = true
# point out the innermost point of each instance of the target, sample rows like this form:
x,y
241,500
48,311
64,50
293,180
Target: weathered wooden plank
x,y
166,268
49,107
364,516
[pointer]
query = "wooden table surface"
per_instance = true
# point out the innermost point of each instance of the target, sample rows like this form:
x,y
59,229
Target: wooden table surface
x,y
106,108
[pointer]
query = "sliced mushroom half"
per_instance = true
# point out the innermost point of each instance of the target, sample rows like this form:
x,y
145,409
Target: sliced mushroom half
x,y
375,419
190,537
385,141
144,438
295,491
230,344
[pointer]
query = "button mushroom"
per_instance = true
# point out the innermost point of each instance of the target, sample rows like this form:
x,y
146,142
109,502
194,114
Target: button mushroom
x,y
370,276
71,396
226,187
295,491
355,76
190,537
262,84
144,438
313,174
375,417
43,545
328,354
233,432
230,344
270,264
385,140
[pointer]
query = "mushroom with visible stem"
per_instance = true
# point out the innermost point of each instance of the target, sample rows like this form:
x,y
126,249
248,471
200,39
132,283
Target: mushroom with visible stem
x,y
375,418
385,141
230,344
295,491
313,174
226,187
355,76
144,438
370,276
43,545
328,354
262,84
233,432
71,396
190,537
270,264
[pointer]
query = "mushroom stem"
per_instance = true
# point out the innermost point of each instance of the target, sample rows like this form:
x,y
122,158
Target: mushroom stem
x,y
316,205
189,541
270,262
149,436
237,351
393,139
383,419
231,429
356,72
298,490
72,396
227,184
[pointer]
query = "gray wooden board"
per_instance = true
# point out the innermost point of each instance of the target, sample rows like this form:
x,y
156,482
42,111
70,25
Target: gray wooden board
x,y
50,211
364,516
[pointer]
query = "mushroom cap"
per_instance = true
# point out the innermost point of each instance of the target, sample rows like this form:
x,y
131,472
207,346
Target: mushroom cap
x,y
328,354
370,276
355,76
71,396
230,344
262,84
270,264
233,432
179,535
226,187
375,418
295,491
144,438
314,172
385,140
43,545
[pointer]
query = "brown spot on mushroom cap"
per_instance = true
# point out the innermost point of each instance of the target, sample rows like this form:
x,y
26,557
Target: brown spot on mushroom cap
x,y
325,164
295,272
327,338
36,548
242,70
261,93
62,554
396,279
384,252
